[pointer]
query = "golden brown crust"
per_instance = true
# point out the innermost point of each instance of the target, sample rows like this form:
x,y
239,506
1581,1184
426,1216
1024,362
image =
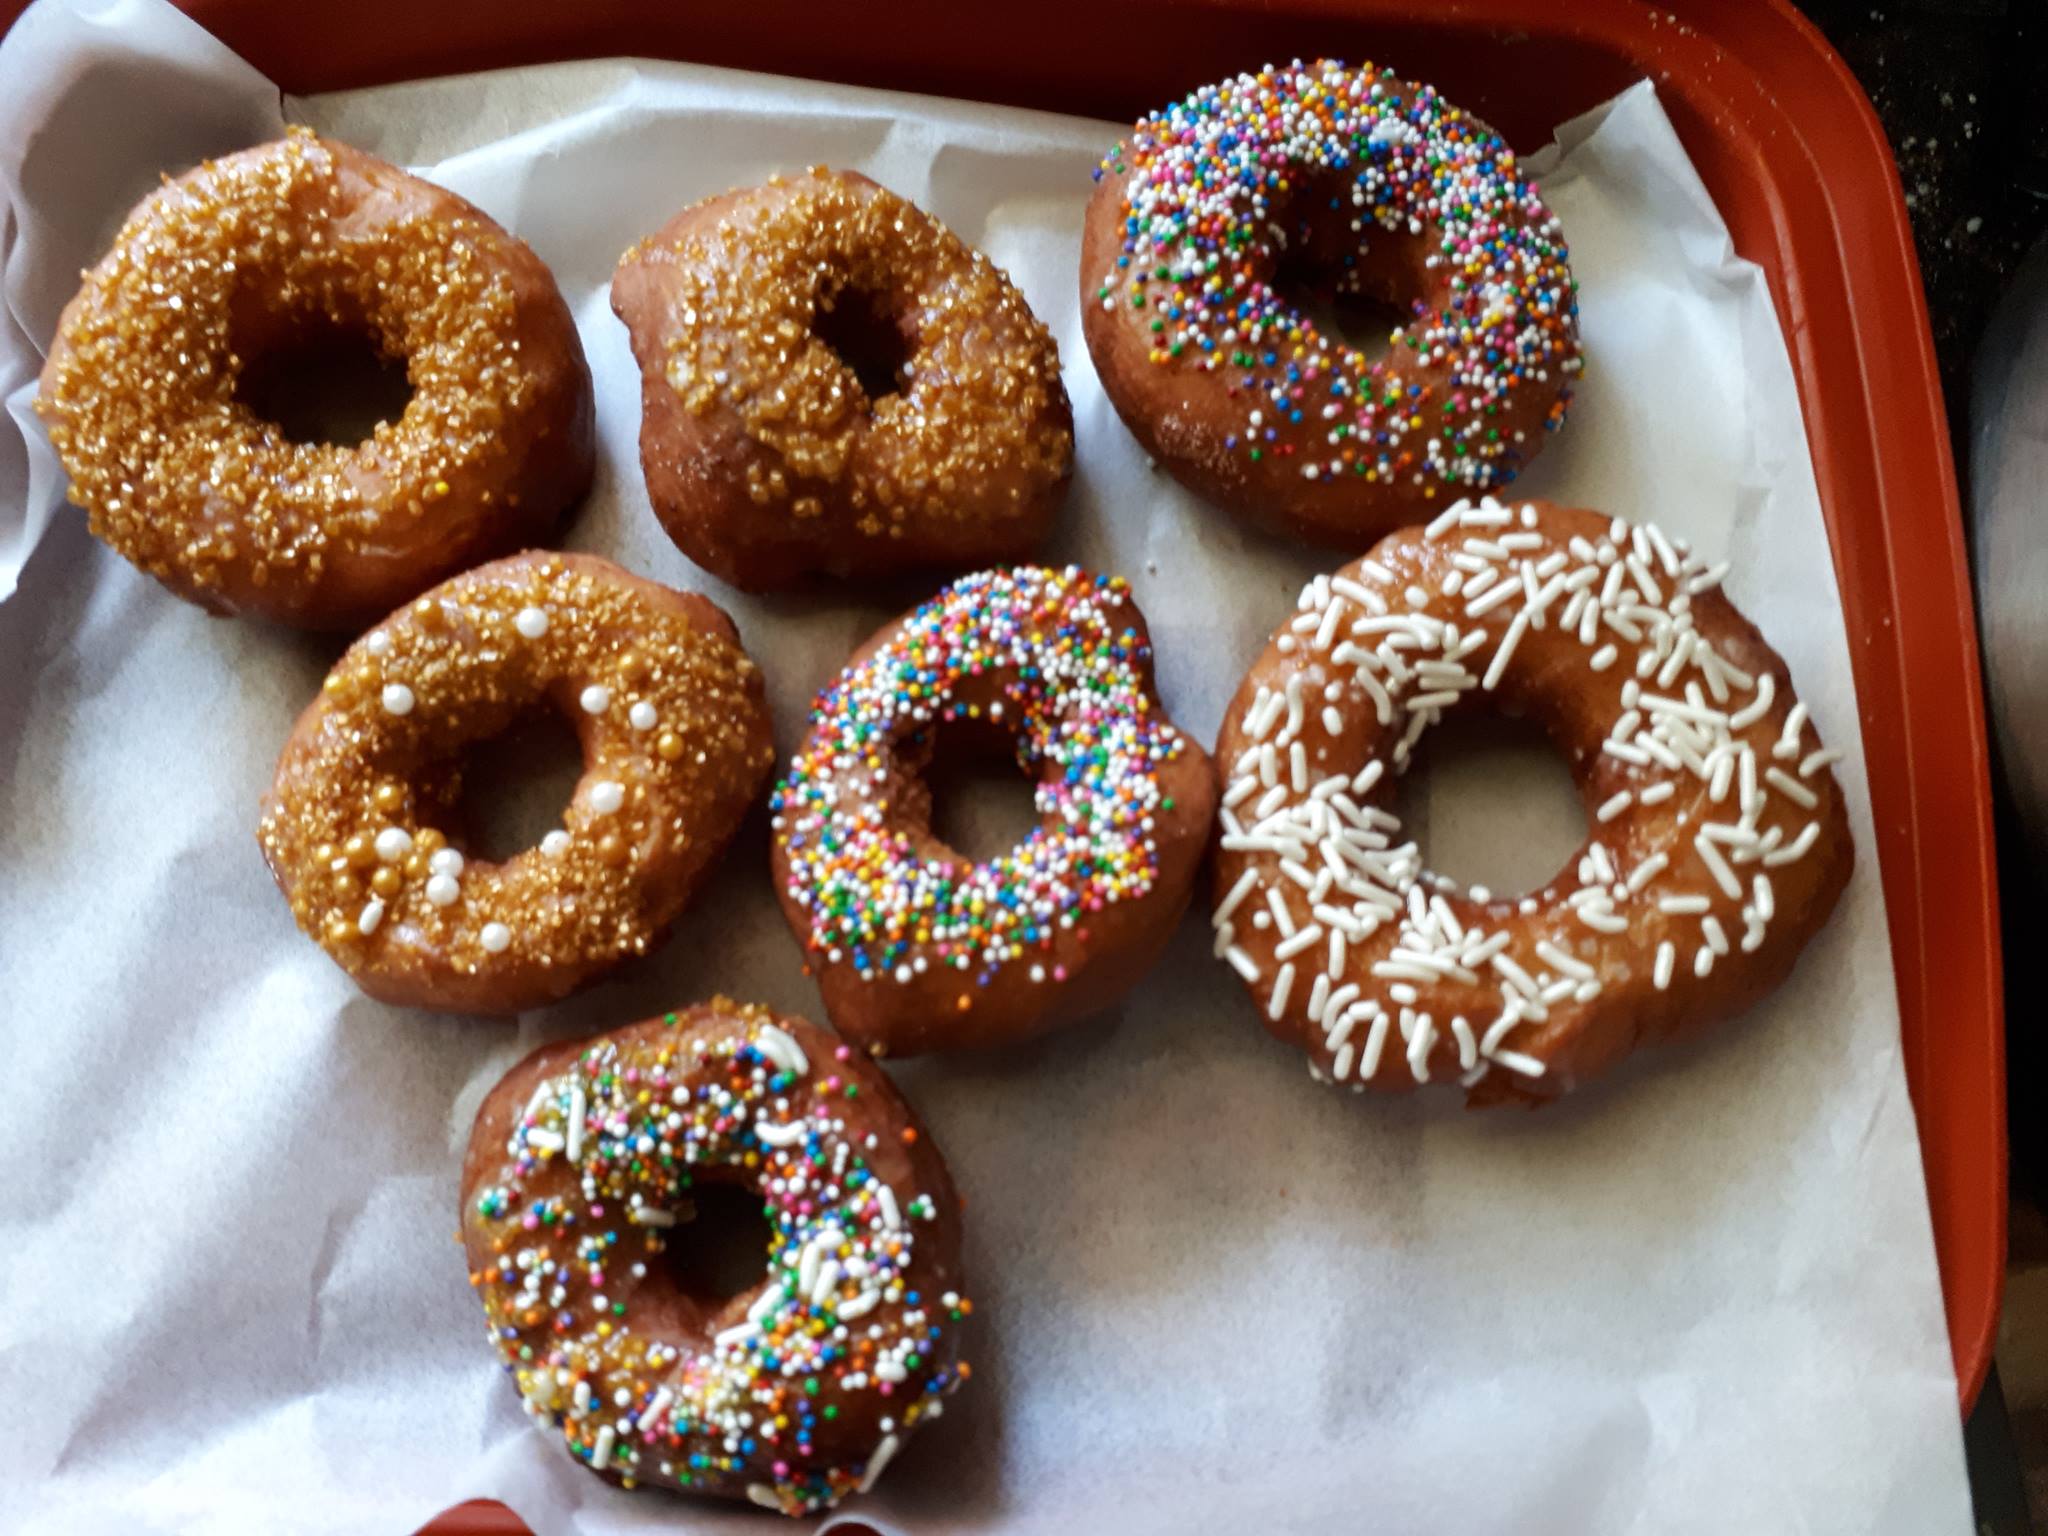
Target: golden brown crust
x,y
1718,838
214,269
1207,224
765,458
917,947
801,1388
361,827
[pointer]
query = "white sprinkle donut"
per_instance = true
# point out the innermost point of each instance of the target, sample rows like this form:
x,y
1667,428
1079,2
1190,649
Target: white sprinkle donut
x,y
1717,842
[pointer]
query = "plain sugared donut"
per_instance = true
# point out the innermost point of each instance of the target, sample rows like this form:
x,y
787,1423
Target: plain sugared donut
x,y
1717,838
1220,215
795,1392
917,947
227,265
766,458
362,827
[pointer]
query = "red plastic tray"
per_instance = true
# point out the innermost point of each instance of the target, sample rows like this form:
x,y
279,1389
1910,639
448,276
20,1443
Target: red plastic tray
x,y
1789,147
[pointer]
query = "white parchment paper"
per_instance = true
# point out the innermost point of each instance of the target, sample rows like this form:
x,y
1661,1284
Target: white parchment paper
x,y
1213,1296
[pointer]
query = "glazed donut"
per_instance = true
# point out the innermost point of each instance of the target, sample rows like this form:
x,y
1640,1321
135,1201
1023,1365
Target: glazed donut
x,y
1717,837
362,826
225,266
767,459
1340,183
799,1390
916,947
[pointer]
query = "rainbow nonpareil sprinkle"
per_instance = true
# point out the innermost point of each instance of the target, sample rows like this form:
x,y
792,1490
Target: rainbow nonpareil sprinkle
x,y
1220,186
1074,694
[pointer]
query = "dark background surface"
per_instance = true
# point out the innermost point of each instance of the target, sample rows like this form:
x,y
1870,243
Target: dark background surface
x,y
1962,89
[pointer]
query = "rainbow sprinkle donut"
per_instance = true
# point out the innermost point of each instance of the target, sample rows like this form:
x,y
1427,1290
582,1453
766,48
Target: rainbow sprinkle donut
x,y
588,1164
917,947
1319,184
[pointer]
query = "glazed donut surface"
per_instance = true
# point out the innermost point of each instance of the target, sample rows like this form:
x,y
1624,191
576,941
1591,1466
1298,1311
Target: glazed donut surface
x,y
917,947
767,459
221,268
799,1390
1218,217
1717,838
362,827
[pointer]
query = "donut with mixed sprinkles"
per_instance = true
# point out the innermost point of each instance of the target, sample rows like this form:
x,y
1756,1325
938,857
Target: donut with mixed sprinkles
x,y
225,272
581,1175
834,383
1717,844
917,947
363,825
1325,185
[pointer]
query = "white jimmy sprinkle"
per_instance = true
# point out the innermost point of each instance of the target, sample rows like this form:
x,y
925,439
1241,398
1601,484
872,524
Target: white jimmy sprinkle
x,y
1624,605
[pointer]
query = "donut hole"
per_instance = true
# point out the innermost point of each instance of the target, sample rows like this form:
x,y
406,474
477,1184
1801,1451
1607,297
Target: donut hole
x,y
1490,802
864,330
982,805
516,785
319,380
1351,279
722,1250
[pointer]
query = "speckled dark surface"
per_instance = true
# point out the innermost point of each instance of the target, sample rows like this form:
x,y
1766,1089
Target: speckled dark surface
x,y
1962,89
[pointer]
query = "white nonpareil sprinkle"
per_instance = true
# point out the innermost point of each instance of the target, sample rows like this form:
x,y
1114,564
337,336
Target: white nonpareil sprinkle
x,y
642,715
555,844
443,890
379,643
595,699
531,622
446,861
393,844
607,796
496,938
398,699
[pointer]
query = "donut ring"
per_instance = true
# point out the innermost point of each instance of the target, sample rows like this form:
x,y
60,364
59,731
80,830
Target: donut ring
x,y
362,826
917,947
1718,840
766,459
799,1390
1350,182
219,268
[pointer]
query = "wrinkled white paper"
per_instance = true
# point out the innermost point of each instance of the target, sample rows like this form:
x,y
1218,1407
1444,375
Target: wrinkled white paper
x,y
1213,1296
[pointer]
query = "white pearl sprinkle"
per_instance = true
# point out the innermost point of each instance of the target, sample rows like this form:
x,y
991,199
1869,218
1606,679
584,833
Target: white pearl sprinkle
x,y
398,699
393,844
642,715
531,622
373,914
496,937
607,797
446,861
596,699
379,643
442,890
555,844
